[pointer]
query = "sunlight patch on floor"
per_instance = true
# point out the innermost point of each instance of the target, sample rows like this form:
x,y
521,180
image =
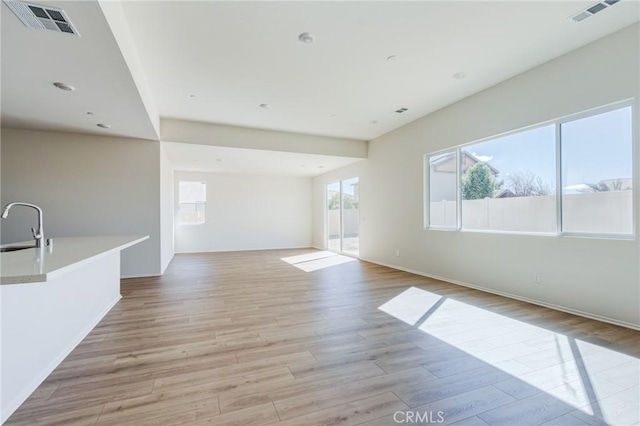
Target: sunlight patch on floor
x,y
410,305
318,260
308,256
592,378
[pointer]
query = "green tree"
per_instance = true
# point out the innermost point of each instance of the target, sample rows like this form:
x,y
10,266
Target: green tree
x,y
347,202
478,182
334,202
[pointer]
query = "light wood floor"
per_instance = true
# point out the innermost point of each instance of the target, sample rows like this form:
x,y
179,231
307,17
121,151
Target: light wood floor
x,y
246,338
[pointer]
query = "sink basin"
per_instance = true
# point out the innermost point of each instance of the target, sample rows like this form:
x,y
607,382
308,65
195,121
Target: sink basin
x,y
14,248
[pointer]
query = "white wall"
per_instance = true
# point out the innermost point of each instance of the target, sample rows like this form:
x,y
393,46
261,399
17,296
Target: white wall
x,y
167,244
119,27
596,277
243,137
87,185
248,213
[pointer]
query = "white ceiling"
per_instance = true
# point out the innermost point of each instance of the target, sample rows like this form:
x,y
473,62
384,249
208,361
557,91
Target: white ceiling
x,y
220,159
236,55
32,60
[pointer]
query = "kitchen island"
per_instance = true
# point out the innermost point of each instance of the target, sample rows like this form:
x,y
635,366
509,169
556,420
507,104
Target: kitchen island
x,y
50,299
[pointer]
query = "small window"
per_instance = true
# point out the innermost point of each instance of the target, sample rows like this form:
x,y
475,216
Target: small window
x,y
443,190
192,198
597,170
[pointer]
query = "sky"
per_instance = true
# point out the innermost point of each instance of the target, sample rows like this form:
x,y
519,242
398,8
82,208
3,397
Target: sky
x,y
347,186
594,148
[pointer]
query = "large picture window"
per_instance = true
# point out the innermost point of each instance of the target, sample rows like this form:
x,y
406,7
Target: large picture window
x,y
572,176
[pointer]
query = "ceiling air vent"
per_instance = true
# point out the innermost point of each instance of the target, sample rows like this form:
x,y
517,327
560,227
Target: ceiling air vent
x,y
598,7
401,110
42,17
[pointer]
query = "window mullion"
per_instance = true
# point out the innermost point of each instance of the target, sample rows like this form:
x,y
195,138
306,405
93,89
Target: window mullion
x,y
558,141
458,190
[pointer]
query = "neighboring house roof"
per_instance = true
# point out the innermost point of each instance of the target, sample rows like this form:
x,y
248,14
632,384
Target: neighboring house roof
x,y
504,193
447,163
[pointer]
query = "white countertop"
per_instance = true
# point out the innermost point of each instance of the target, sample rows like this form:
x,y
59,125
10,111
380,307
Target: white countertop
x,y
39,265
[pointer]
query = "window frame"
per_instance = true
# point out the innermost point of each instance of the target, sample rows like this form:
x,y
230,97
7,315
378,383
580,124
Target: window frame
x,y
634,168
427,193
558,122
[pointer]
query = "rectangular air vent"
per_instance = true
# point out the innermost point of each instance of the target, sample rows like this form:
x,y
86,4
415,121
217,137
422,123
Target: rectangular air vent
x,y
401,110
581,16
588,13
42,17
596,8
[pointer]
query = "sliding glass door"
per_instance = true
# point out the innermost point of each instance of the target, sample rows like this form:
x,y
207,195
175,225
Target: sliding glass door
x,y
343,216
333,217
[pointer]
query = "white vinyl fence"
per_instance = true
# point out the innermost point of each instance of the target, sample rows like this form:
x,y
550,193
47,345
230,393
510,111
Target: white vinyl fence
x,y
351,222
598,212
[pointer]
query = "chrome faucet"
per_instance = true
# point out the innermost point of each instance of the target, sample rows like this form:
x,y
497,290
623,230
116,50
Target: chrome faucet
x,y
38,235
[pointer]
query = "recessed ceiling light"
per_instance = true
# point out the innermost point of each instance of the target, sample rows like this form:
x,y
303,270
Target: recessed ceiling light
x,y
192,96
321,167
64,86
373,121
89,113
460,75
306,38
265,106
104,126
392,58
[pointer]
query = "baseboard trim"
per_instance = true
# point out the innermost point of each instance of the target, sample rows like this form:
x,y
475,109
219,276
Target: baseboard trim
x,y
126,277
22,397
514,296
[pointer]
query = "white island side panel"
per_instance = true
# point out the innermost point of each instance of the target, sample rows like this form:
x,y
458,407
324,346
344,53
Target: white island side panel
x,y
42,323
